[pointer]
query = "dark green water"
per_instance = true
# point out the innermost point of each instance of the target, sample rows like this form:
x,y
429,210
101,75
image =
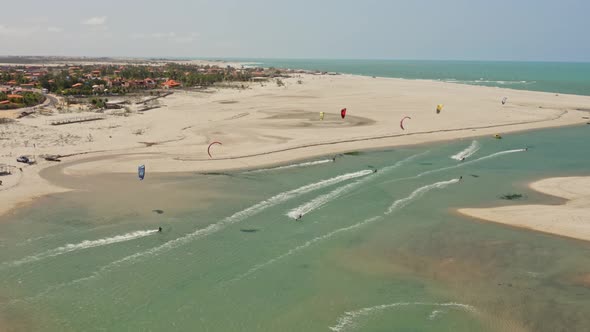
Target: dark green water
x,y
384,253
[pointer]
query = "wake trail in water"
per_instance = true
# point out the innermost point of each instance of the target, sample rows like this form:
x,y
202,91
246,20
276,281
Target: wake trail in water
x,y
236,217
322,200
398,204
81,246
305,164
349,319
493,155
468,152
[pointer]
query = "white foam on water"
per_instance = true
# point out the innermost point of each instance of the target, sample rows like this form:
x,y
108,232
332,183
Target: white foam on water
x,y
322,200
82,246
483,81
306,164
468,152
398,204
350,318
434,314
493,155
236,217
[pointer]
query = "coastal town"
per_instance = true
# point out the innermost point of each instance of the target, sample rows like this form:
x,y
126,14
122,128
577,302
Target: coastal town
x,y
28,85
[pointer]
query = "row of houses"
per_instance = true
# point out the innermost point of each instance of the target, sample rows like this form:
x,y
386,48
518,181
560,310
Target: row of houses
x,y
104,77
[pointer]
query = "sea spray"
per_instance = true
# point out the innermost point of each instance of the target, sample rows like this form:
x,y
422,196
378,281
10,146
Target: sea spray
x,y
81,246
236,217
320,201
324,199
350,318
468,152
493,155
298,165
398,204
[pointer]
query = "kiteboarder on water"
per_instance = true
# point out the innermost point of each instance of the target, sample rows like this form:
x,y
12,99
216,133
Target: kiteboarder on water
x,y
299,217
160,229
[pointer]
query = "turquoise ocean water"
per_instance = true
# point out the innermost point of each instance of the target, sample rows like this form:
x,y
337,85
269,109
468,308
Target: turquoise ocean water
x,y
380,251
571,78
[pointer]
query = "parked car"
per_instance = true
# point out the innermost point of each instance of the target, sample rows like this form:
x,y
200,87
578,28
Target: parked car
x,y
23,159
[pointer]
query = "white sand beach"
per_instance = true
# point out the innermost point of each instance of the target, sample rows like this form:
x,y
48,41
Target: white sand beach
x,y
267,124
571,219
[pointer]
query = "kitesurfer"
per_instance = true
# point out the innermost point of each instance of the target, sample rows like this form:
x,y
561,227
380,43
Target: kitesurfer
x,y
375,170
334,158
526,149
299,217
160,229
460,177
463,159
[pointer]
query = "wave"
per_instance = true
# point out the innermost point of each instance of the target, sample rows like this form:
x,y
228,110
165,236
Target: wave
x,y
400,203
481,81
468,152
322,200
350,317
306,164
81,246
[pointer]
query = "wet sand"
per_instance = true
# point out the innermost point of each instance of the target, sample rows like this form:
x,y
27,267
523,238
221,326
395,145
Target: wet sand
x,y
571,219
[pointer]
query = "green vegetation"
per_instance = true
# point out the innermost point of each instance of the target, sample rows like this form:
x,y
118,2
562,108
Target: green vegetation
x,y
28,99
99,103
122,79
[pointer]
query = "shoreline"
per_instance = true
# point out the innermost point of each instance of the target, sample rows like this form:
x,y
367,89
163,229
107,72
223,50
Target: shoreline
x,y
279,125
568,220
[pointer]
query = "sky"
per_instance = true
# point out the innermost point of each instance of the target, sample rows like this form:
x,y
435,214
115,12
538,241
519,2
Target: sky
x,y
520,30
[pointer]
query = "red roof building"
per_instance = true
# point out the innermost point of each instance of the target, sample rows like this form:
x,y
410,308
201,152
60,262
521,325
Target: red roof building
x,y
171,84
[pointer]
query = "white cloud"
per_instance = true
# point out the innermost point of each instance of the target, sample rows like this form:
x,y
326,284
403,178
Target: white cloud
x,y
55,29
97,20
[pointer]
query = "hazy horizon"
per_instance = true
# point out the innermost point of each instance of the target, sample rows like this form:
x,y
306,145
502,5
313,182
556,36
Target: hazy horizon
x,y
456,30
